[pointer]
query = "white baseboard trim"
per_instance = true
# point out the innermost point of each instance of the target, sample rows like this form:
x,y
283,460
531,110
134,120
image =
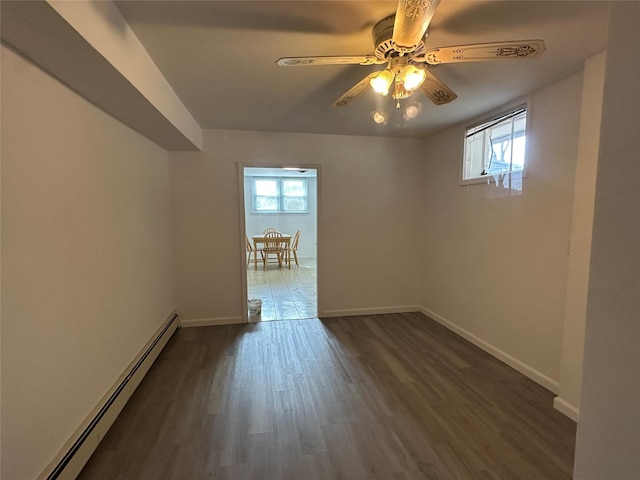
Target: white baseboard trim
x,y
77,451
513,362
210,322
566,408
351,312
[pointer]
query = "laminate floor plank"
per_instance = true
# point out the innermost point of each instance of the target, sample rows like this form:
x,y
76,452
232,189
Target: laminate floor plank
x,y
390,397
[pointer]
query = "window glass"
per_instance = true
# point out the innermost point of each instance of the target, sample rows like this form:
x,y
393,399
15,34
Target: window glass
x,y
294,195
496,146
265,195
293,204
293,188
266,187
278,194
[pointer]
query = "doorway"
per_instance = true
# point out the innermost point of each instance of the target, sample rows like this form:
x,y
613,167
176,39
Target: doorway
x,y
284,199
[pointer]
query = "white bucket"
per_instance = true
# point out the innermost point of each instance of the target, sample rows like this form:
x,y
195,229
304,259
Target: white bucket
x,y
255,309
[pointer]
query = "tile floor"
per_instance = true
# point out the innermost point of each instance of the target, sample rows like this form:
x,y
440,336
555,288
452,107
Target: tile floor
x,y
286,294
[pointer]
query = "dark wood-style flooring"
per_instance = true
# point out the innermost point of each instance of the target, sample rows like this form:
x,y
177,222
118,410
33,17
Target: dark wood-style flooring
x,y
391,397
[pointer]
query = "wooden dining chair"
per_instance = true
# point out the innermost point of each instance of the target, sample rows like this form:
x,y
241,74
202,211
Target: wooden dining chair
x,y
251,251
272,245
293,249
269,229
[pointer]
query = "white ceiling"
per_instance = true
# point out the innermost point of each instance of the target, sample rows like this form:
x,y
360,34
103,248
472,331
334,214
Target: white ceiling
x,y
220,58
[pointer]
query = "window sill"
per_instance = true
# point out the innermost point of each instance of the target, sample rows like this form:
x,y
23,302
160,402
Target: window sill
x,y
492,179
256,212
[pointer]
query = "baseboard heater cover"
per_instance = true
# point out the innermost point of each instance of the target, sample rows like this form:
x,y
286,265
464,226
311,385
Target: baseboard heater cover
x,y
59,469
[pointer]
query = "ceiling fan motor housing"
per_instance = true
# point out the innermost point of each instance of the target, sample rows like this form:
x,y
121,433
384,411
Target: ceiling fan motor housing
x,y
382,35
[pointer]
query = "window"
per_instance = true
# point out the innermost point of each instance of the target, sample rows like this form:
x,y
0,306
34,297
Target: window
x,y
279,195
496,146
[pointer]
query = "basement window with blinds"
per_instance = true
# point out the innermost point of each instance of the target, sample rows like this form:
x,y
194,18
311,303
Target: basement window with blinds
x,y
495,147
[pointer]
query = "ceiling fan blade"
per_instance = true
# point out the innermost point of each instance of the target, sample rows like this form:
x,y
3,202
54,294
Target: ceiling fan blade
x,y
304,61
356,90
485,51
412,20
437,91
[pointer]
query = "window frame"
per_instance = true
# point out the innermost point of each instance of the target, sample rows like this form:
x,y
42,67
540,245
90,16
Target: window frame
x,y
502,114
281,197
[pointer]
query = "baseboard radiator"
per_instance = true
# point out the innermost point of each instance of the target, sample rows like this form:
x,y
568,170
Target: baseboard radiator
x,y
78,450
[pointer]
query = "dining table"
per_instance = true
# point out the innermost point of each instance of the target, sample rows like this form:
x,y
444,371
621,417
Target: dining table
x,y
259,239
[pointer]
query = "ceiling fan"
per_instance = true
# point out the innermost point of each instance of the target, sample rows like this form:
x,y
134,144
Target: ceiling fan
x,y
399,42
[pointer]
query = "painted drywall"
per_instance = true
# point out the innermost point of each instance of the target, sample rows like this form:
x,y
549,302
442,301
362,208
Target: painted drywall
x,y
568,400
104,28
306,222
85,259
608,440
0,284
368,229
496,259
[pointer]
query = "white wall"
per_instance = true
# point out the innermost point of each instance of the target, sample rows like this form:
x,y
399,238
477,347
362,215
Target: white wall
x,y
85,259
368,229
101,24
568,400
495,264
0,284
88,46
608,441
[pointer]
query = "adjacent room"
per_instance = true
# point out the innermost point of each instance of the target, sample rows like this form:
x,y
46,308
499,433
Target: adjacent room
x,y
319,239
285,200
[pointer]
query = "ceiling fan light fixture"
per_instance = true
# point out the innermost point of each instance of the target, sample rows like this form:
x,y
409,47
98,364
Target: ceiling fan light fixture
x,y
400,92
382,82
412,77
399,42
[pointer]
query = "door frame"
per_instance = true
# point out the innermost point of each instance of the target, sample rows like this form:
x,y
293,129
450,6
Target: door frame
x,y
243,229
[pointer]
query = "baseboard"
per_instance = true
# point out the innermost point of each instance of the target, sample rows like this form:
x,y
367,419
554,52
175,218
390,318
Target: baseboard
x,y
210,322
566,408
77,451
518,365
351,312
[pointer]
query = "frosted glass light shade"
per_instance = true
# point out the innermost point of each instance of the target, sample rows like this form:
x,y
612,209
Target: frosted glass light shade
x,y
382,82
412,77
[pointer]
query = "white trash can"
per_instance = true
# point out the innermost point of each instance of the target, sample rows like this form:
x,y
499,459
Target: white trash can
x,y
255,309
